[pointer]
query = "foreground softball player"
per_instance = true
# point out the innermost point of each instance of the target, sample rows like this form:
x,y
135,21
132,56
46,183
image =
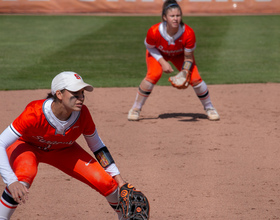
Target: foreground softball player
x,y
171,40
46,132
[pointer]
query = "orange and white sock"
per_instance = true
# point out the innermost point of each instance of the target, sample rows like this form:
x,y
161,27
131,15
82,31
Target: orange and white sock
x,y
202,93
143,93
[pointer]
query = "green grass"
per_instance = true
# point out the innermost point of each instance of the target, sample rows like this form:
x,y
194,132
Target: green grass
x,y
109,51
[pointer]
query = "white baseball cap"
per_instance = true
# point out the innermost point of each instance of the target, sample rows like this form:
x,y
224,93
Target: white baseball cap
x,y
69,80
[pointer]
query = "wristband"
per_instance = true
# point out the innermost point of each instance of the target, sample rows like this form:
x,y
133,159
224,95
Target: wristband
x,y
104,157
187,65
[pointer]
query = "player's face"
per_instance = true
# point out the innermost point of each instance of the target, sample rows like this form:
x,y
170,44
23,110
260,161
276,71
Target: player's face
x,y
73,100
173,18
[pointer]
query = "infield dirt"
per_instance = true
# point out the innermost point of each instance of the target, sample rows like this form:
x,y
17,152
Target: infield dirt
x,y
188,167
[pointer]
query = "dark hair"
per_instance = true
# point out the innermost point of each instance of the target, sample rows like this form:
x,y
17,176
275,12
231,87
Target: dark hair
x,y
168,4
50,95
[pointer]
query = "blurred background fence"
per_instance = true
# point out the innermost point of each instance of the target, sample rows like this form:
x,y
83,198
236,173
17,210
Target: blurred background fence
x,y
149,7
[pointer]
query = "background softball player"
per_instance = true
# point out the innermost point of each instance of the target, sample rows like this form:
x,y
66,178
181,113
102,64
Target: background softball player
x,y
172,40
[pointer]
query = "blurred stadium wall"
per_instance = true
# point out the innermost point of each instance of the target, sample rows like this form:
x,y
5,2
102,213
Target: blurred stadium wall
x,y
146,7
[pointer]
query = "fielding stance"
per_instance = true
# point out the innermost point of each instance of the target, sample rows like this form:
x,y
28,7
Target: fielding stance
x,y
46,132
171,40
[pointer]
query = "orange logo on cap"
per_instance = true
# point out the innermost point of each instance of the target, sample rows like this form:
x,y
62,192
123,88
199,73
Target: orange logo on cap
x,y
77,76
138,209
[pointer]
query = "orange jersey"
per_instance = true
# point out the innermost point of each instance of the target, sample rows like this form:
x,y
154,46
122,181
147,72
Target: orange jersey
x,y
37,136
183,40
35,126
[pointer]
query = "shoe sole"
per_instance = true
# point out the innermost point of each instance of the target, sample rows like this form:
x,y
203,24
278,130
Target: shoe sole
x,y
214,119
130,119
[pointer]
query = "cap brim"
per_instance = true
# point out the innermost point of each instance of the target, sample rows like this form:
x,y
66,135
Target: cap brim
x,y
79,86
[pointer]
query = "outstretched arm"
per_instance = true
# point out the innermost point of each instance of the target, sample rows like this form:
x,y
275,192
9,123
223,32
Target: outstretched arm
x,y
7,138
102,154
18,191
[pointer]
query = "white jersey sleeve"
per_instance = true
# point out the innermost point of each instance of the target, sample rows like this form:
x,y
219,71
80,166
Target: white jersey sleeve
x,y
7,138
95,143
153,51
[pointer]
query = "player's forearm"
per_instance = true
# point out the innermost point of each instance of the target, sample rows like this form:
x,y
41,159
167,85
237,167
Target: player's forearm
x,y
94,141
188,61
119,180
6,139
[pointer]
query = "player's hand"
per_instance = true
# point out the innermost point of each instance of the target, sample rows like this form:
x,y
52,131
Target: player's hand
x,y
166,67
19,192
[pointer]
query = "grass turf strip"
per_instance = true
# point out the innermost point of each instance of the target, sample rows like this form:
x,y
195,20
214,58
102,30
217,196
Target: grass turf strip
x,y
109,51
